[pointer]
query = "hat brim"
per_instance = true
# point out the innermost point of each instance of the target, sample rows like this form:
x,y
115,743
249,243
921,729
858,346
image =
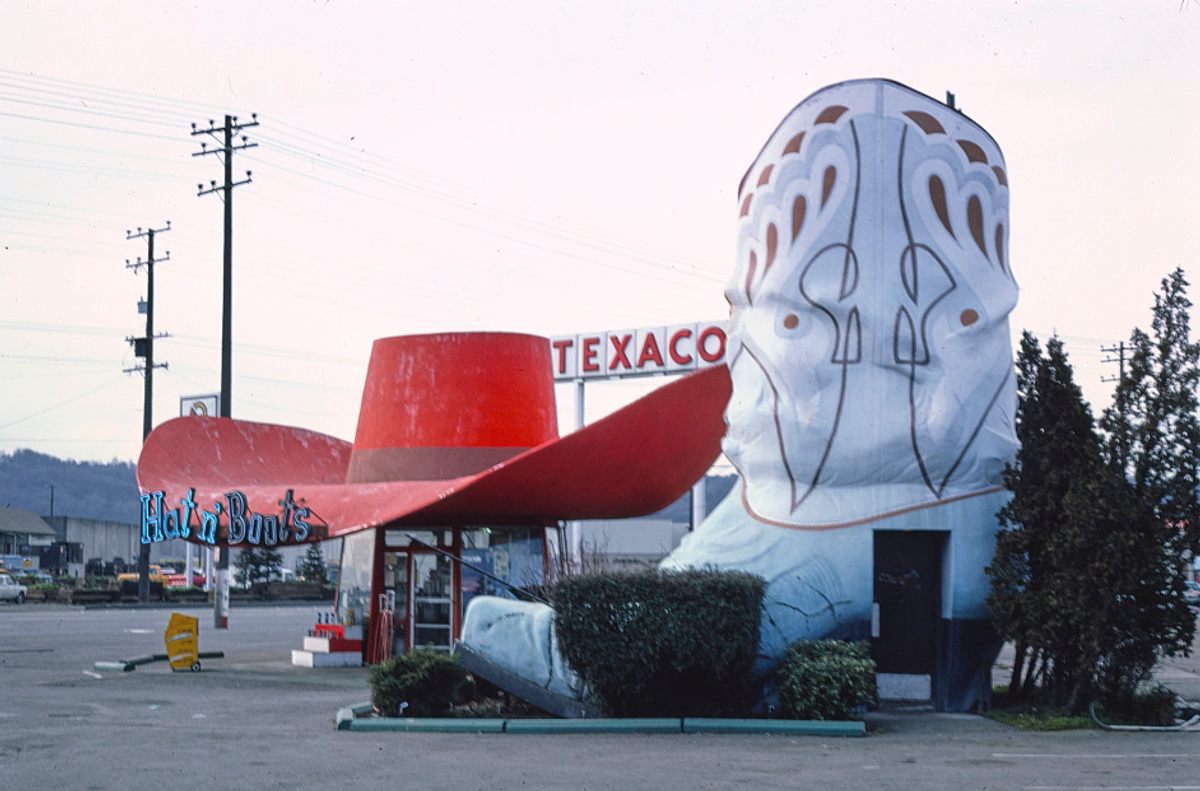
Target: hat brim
x,y
633,462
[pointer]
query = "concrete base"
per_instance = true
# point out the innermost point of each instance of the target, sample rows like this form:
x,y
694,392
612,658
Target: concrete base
x,y
905,686
302,658
354,632
329,645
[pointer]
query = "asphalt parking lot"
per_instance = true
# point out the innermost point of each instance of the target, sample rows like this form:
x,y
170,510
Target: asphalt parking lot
x,y
252,721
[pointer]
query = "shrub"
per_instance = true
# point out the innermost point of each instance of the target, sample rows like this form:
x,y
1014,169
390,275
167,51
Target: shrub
x,y
659,643
1153,706
428,681
826,680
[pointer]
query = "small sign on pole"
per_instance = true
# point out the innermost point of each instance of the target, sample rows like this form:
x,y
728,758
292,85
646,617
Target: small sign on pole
x,y
200,405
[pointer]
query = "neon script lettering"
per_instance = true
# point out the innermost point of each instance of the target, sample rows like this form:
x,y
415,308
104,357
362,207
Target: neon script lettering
x,y
159,523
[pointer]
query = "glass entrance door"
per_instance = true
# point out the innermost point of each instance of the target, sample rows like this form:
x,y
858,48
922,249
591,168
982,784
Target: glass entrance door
x,y
431,614
395,588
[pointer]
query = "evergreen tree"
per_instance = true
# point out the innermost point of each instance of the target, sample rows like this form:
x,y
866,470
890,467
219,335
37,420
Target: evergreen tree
x,y
272,562
247,566
255,564
1152,427
1048,593
1089,568
1152,435
312,566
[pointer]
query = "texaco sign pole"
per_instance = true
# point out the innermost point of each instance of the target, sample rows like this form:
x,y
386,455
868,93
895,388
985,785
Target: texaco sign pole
x,y
624,354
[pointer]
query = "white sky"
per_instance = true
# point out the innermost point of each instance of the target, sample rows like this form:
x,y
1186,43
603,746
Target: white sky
x,y
537,167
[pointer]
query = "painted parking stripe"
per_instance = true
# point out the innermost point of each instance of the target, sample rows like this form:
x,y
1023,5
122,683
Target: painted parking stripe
x,y
1111,788
1096,755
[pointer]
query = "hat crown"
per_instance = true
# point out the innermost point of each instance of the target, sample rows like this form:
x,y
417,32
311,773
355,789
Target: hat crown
x,y
452,404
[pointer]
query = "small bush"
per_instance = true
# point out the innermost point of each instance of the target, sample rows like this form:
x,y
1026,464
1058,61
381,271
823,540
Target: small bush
x,y
827,680
1155,706
658,643
428,681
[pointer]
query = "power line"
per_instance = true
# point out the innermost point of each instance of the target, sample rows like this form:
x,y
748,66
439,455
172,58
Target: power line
x,y
104,93
41,358
462,196
93,127
69,108
466,197
52,407
508,236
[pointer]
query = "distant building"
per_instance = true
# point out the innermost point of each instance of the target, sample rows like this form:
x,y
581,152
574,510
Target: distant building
x,y
624,543
23,535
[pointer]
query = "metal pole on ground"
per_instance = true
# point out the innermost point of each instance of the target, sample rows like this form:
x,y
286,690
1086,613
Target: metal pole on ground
x,y
699,502
575,528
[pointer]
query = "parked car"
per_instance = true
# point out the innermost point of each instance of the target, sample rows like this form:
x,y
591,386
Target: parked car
x,y
156,575
283,575
1191,593
10,590
180,580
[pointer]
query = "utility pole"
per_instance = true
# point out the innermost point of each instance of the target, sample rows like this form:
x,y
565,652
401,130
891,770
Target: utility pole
x,y
1118,350
144,348
225,153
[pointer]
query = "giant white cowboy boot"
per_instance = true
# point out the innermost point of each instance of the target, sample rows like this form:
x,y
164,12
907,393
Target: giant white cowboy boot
x,y
873,394
872,371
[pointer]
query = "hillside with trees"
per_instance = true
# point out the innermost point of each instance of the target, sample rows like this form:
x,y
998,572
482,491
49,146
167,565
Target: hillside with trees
x,y
94,490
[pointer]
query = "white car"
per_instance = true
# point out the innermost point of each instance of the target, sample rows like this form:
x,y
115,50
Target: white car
x,y
10,590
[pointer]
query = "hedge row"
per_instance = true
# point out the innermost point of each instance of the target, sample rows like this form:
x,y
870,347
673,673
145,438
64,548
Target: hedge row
x,y
659,643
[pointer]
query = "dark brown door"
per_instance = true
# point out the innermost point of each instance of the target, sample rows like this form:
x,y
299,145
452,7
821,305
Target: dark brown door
x,y
908,594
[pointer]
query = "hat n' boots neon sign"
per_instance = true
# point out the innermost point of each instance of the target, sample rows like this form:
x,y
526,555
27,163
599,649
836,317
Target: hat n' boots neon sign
x,y
245,526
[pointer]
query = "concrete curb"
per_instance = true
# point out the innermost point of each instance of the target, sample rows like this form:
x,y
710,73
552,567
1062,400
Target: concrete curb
x,y
632,725
347,714
429,725
781,727
193,605
351,718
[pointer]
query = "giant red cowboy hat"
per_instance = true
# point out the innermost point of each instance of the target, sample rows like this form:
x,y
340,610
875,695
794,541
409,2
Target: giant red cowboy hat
x,y
454,428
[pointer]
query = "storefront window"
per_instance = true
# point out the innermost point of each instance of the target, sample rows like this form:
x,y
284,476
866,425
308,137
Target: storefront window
x,y
511,554
403,537
354,582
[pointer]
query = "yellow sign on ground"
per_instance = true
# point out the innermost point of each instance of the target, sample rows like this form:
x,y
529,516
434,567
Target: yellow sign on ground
x,y
183,642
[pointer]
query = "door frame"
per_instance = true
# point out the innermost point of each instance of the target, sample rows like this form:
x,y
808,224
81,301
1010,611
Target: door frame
x,y
937,542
